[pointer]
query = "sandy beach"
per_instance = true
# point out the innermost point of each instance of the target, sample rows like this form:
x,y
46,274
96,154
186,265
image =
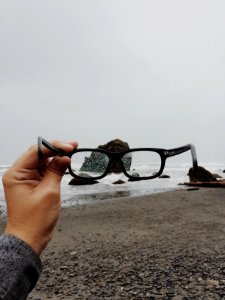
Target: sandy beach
x,y
164,246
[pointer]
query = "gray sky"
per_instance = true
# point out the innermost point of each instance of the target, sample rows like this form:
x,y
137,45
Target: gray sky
x,y
149,72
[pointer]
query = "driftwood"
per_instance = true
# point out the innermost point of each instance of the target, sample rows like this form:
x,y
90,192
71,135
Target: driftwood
x,y
214,184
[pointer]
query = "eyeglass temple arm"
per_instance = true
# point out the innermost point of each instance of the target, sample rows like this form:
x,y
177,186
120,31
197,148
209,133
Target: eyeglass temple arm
x,y
179,150
55,150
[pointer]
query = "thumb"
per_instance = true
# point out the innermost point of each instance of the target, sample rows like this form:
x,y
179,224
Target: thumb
x,y
56,169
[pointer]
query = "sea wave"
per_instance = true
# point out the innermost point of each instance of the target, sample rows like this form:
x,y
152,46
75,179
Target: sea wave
x,y
106,189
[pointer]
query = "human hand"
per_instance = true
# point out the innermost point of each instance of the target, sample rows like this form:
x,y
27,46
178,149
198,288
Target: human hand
x,y
32,191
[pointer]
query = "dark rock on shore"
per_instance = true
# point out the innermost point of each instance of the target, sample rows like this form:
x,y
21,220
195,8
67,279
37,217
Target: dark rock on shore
x,y
217,175
164,176
96,162
136,177
119,181
200,174
116,145
78,181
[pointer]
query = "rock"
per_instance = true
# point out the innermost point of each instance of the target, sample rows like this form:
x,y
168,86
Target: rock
x,y
98,162
164,176
223,171
178,297
200,174
78,181
64,268
119,181
211,282
136,177
217,176
193,189
116,145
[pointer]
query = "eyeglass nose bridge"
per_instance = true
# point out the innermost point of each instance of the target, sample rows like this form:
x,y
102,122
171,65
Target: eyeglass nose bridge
x,y
115,164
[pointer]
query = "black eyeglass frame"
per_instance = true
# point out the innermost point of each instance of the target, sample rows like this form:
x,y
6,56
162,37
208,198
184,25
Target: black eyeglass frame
x,y
117,156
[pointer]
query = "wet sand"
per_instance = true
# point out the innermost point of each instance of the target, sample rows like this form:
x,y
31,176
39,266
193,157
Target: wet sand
x,y
164,246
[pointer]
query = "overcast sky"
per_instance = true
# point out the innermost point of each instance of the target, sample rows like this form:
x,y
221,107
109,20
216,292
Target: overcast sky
x,y
150,72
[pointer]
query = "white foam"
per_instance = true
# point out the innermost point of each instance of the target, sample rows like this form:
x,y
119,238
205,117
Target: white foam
x,y
72,195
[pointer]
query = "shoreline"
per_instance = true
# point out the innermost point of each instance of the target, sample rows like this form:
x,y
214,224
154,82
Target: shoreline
x,y
168,245
105,196
99,197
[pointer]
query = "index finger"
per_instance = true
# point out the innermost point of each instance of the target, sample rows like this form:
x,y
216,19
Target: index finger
x,y
52,148
30,159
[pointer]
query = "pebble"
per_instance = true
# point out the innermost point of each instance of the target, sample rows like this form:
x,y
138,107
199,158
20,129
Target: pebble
x,y
133,274
212,282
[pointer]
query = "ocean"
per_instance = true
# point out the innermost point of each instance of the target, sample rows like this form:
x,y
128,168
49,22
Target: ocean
x,y
106,189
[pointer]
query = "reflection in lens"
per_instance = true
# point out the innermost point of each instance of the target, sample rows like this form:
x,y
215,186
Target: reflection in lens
x,y
89,164
142,163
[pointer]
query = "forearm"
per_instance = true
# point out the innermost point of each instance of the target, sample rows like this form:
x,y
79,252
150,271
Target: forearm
x,y
20,268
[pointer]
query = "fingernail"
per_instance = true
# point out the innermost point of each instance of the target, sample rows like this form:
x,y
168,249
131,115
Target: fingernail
x,y
68,146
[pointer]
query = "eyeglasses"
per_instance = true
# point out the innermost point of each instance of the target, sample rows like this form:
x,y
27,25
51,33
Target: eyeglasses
x,y
136,164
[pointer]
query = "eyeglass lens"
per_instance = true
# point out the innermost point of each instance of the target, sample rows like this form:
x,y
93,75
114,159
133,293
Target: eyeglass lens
x,y
136,163
142,163
89,163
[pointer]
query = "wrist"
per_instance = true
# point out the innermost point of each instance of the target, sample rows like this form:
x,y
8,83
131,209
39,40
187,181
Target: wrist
x,y
31,241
